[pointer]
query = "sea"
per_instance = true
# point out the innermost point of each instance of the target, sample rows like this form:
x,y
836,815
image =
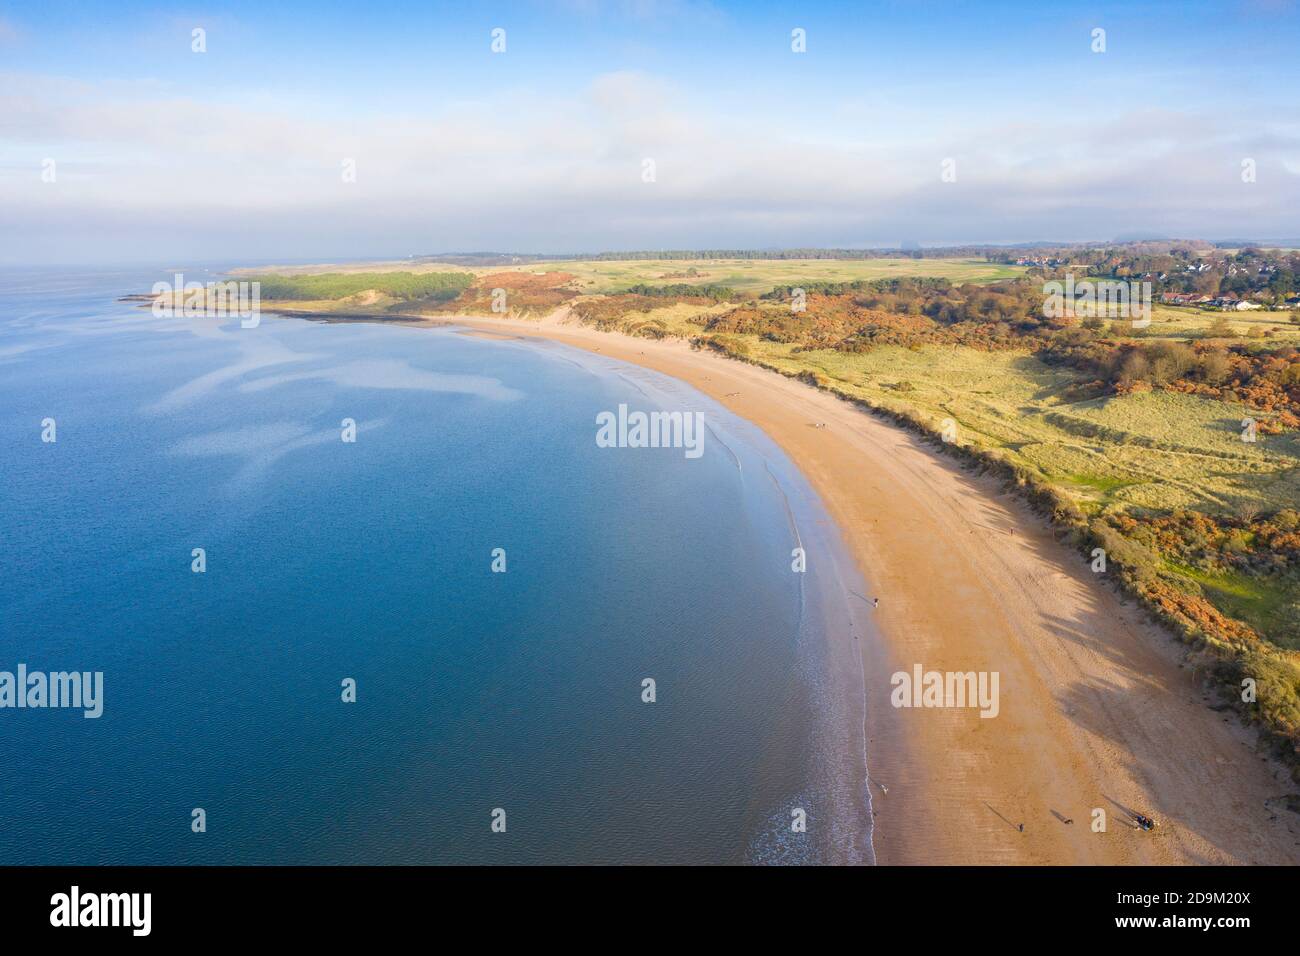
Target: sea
x,y
368,593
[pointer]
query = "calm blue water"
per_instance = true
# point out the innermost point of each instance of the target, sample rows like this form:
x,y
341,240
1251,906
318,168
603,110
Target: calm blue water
x,y
372,560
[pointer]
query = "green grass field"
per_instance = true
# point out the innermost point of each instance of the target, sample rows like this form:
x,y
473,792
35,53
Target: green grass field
x,y
335,286
757,276
1171,322
750,276
1265,604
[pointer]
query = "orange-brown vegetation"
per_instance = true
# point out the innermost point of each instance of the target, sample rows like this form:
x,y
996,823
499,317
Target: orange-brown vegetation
x,y
525,292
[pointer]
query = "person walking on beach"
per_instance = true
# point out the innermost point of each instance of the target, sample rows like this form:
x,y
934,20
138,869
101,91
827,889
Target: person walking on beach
x,y
875,602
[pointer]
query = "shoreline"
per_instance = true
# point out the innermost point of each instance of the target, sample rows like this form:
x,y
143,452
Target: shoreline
x,y
833,609
1097,711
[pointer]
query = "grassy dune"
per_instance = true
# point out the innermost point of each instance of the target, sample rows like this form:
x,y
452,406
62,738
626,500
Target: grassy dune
x,y
370,287
1264,604
1152,450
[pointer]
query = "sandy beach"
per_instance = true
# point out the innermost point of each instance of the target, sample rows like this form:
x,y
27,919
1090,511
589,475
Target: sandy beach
x,y
1096,710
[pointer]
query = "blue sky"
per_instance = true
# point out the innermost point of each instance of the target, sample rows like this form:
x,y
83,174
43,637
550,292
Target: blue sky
x,y
238,152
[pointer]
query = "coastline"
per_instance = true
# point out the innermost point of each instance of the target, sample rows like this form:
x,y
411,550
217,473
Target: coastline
x,y
1097,711
827,645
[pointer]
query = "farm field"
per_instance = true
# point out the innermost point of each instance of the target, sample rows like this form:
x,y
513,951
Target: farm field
x,y
756,276
1172,322
747,276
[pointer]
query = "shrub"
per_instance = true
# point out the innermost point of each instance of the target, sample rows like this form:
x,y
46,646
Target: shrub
x,y
1220,328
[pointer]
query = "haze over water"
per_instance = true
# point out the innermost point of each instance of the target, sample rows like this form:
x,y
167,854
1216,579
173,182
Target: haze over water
x,y
372,560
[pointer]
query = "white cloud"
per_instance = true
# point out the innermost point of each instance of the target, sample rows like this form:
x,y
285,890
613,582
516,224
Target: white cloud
x,y
145,174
